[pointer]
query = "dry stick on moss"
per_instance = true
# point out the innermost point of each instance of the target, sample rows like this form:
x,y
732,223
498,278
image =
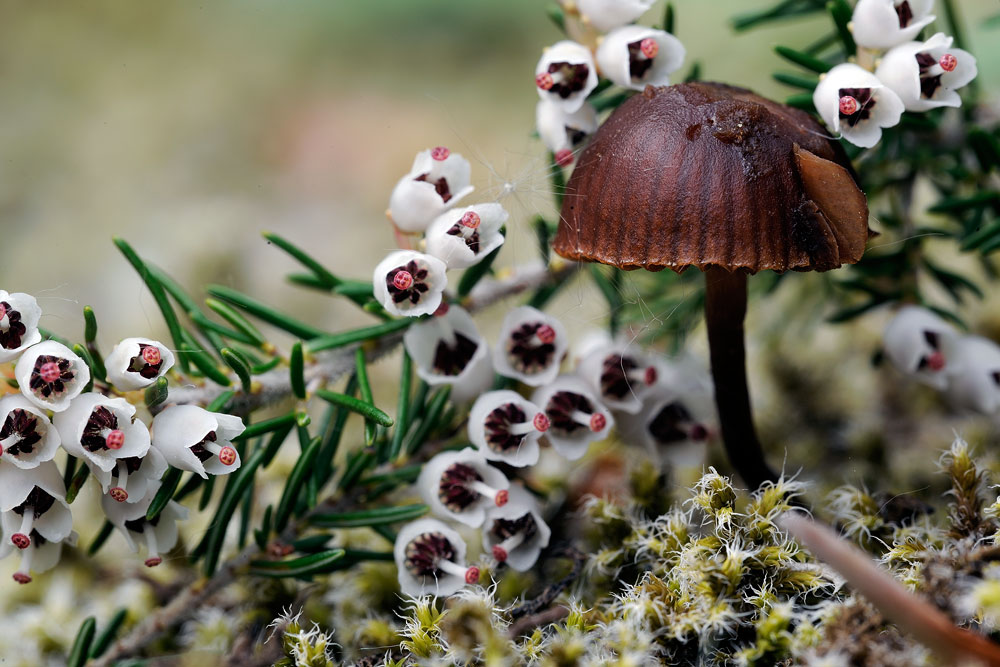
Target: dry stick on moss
x,y
274,387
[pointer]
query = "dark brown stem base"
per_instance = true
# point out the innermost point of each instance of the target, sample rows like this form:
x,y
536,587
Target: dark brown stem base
x,y
725,307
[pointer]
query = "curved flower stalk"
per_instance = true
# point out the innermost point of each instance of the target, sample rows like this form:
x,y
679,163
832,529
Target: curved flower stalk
x,y
461,485
563,133
51,375
916,341
606,15
102,431
516,533
566,75
27,437
196,440
136,363
19,315
531,346
158,535
620,373
854,103
576,417
409,283
438,180
430,558
635,56
33,503
926,75
464,237
882,24
506,427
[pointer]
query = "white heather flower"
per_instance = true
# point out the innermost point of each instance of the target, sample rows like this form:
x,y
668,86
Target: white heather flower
x,y
565,75
446,346
135,363
410,283
463,237
430,557
102,431
882,24
437,180
926,75
620,373
132,476
196,440
974,374
608,14
531,347
562,132
51,375
636,56
915,342
477,379
673,426
39,556
506,427
27,437
856,104
461,485
516,533
576,417
158,535
33,503
19,314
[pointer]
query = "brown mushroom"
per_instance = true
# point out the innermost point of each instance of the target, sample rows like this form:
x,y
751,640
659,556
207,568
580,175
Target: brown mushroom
x,y
716,177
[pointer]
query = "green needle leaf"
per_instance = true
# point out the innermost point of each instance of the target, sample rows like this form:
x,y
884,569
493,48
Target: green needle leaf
x,y
402,408
296,366
101,538
227,507
303,258
305,566
842,13
107,636
204,363
166,491
265,312
366,410
301,471
796,80
79,478
330,341
157,392
89,325
238,322
81,645
235,361
370,517
803,59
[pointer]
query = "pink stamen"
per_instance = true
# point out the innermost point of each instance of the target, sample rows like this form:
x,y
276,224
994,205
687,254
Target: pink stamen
x,y
564,157
119,494
115,439
544,81
49,372
20,540
403,280
471,220
598,422
848,105
649,47
499,553
698,433
151,355
440,153
472,575
502,497
546,334
227,455
3,311
1,450
22,578
948,62
153,562
541,422
935,361
651,376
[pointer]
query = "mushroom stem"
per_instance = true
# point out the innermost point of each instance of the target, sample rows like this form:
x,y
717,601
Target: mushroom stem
x,y
725,307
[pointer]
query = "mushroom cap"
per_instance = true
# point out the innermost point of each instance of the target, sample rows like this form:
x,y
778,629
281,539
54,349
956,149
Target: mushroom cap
x,y
705,174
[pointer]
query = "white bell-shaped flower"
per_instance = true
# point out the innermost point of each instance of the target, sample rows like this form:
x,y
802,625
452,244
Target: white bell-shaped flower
x,y
102,431
430,558
561,132
19,314
576,417
461,485
926,75
27,437
51,375
135,363
463,237
566,75
39,556
196,440
445,347
158,535
606,15
410,283
673,426
916,342
853,102
33,502
516,533
882,24
506,427
129,480
478,379
620,373
437,181
974,374
635,56
531,347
